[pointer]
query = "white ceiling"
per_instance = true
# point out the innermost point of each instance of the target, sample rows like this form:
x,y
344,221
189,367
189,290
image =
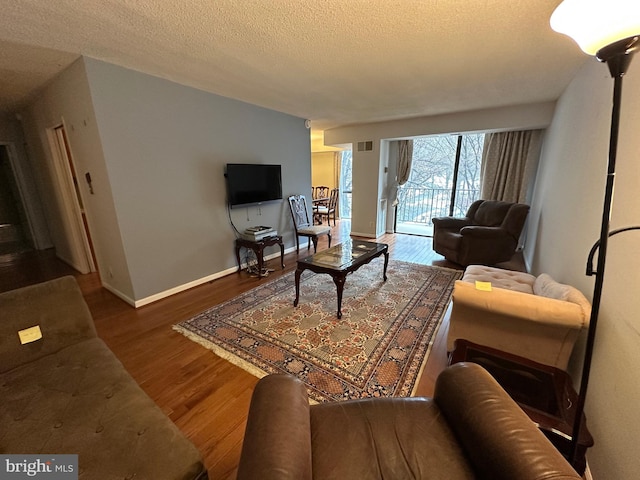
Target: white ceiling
x,y
335,62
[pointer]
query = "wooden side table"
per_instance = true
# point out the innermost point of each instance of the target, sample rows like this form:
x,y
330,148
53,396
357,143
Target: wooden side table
x,y
545,393
258,248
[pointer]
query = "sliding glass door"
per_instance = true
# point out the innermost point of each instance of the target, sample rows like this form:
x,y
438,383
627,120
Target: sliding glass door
x,y
444,180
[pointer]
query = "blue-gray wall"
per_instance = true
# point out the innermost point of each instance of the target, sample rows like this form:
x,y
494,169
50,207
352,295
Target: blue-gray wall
x,y
157,157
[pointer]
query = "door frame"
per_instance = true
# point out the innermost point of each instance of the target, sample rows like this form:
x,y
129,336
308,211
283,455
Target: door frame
x,y
70,199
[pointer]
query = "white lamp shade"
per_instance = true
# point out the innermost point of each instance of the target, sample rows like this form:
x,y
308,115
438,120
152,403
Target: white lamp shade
x,y
594,24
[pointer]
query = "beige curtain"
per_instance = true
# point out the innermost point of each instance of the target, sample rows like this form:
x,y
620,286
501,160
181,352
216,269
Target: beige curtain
x,y
509,162
405,158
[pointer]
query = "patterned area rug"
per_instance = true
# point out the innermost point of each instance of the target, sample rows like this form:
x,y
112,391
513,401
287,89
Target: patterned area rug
x,y
377,349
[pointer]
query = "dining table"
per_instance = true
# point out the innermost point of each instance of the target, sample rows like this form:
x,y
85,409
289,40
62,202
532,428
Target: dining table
x,y
315,203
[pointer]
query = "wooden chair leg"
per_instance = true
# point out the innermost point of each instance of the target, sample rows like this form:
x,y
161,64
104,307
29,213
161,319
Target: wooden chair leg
x,y
315,244
329,235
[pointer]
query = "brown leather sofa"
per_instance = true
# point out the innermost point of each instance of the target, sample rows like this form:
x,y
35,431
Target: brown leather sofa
x,y
67,393
470,429
487,235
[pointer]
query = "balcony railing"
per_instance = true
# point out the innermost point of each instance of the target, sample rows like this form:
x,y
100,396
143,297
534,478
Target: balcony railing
x,y
420,205
345,204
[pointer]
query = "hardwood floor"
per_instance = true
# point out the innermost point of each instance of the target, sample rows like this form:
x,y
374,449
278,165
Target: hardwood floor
x,y
207,397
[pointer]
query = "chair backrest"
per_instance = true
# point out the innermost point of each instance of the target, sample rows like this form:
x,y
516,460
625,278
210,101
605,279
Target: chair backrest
x,y
494,213
333,199
299,212
322,192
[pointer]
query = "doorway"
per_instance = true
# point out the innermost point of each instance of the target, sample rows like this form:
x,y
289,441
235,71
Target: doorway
x,y
80,254
15,234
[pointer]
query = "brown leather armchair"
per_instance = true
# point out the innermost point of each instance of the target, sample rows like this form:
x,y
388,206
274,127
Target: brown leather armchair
x,y
470,429
487,235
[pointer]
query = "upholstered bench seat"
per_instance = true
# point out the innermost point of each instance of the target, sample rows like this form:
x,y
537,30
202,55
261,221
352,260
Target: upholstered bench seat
x,y
533,317
507,279
67,393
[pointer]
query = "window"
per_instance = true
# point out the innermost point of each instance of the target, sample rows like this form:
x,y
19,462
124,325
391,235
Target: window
x,y
345,184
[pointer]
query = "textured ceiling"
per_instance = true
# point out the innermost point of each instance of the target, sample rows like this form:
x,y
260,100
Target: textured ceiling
x,y
332,61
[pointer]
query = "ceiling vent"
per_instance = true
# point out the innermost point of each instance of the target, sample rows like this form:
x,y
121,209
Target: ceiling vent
x,y
365,146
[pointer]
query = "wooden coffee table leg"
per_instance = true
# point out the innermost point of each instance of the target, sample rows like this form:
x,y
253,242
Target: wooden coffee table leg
x,y
298,273
386,262
339,281
281,253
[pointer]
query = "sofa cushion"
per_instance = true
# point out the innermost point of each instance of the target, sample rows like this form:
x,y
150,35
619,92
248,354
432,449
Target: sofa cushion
x,y
81,400
545,286
386,438
499,278
56,306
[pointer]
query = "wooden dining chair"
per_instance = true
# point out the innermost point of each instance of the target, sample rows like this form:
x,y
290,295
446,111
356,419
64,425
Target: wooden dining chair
x,y
330,209
321,192
303,227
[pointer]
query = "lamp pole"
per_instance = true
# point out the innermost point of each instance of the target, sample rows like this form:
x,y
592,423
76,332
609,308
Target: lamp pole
x,y
618,57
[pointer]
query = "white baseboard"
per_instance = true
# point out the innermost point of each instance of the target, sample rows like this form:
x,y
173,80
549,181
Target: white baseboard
x,y
365,235
119,294
181,288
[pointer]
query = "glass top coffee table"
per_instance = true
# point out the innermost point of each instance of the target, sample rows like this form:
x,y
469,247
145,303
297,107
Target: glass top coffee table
x,y
341,260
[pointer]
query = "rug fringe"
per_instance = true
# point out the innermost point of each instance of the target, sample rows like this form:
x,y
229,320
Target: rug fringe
x,y
230,357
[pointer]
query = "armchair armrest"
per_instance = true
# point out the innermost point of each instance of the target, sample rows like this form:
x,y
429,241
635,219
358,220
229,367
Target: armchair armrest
x,y
500,439
451,222
277,441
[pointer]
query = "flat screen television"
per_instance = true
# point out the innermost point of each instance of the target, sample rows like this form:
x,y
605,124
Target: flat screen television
x,y
253,183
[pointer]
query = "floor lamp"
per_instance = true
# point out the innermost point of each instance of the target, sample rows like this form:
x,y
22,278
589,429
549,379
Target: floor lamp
x,y
610,30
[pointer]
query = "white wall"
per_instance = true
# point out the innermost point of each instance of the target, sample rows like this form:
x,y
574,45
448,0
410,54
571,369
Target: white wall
x,y
165,146
565,222
366,191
